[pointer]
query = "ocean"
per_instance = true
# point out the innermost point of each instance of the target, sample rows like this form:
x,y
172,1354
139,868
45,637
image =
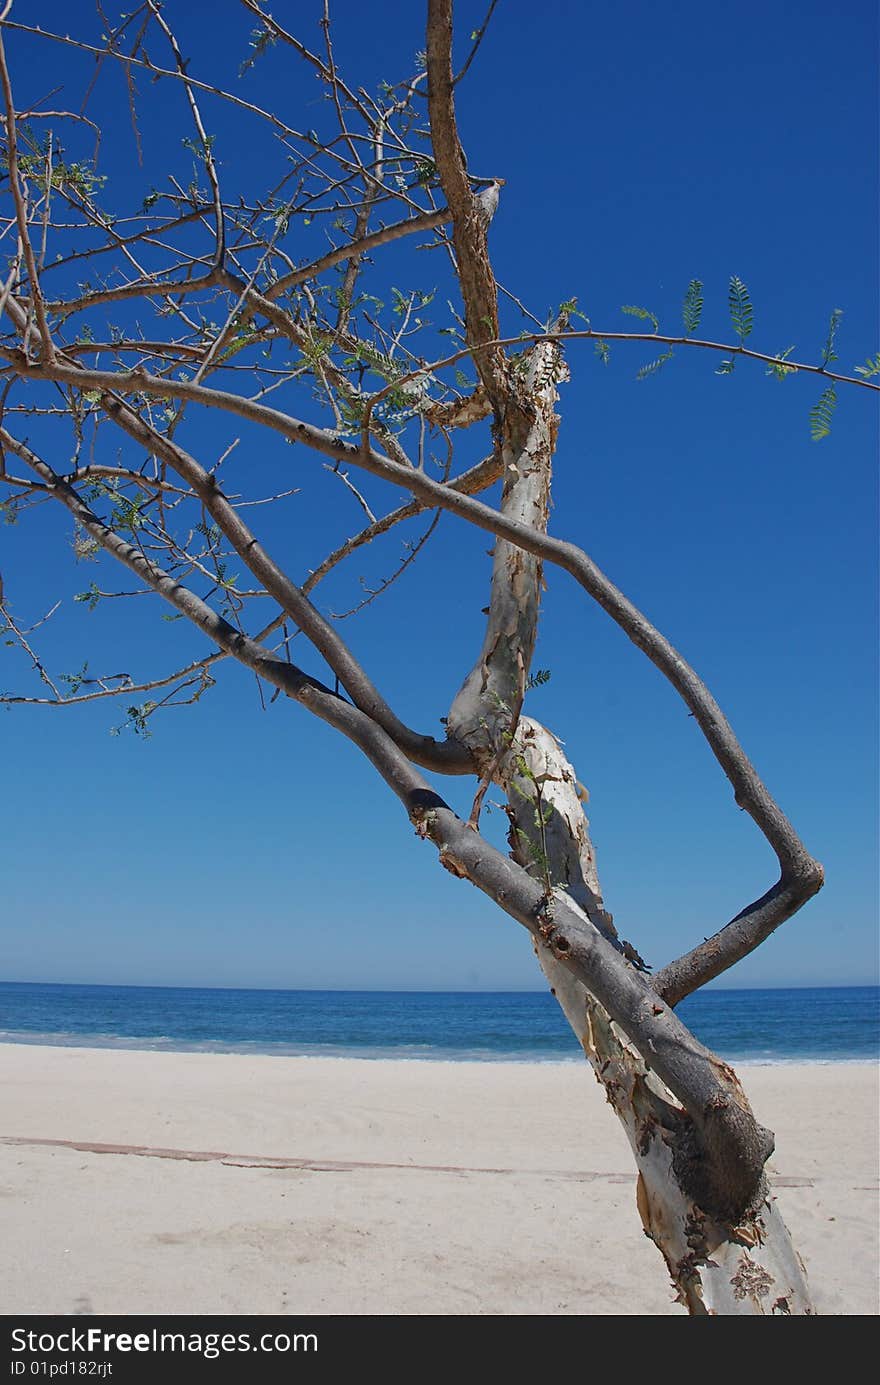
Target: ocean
x,y
756,1026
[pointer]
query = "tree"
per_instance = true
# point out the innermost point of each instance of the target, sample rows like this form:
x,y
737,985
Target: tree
x,y
254,322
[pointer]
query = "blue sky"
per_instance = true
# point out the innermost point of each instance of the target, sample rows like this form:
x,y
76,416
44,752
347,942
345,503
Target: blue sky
x,y
642,146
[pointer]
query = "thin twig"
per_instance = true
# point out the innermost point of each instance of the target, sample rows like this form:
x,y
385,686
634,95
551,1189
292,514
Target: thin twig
x,y
20,636
480,34
47,350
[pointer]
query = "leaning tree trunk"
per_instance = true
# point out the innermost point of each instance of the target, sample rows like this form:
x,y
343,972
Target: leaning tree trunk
x,y
716,1267
740,1265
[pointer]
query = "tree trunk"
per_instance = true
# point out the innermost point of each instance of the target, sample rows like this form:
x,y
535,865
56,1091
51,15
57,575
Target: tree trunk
x,y
716,1267
741,1266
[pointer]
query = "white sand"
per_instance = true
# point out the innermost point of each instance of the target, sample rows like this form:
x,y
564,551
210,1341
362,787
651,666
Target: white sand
x,y
533,1210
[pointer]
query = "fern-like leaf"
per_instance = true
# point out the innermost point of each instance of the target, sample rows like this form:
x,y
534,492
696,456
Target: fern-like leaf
x,y
828,352
871,367
643,313
778,367
603,351
692,307
820,414
538,679
653,366
741,313
726,367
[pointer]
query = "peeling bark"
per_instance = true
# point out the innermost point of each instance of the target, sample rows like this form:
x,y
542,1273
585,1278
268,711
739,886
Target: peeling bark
x,y
747,1266
487,707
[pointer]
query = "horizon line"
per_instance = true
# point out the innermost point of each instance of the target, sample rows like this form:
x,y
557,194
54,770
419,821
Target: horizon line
x,y
405,990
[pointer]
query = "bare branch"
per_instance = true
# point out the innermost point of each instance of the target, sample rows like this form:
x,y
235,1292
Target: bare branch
x,y
344,477
47,349
210,166
801,875
328,75
468,226
471,482
413,551
478,39
426,221
151,67
424,749
126,689
20,636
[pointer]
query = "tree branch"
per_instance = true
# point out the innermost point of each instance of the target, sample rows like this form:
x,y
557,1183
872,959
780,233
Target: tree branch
x,y
211,169
47,349
426,221
446,755
595,334
801,876
151,67
468,226
471,482
478,39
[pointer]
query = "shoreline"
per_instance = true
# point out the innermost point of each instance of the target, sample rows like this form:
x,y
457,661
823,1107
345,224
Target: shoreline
x,y
270,1184
221,1048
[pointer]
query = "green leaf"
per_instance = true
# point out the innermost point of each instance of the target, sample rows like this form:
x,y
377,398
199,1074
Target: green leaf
x,y
643,313
692,307
777,368
260,40
653,366
538,679
820,414
871,367
828,352
603,351
740,308
89,598
726,367
74,681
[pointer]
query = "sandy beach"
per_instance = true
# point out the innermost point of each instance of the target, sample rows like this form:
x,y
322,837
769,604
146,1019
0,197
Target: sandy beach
x,y
322,1185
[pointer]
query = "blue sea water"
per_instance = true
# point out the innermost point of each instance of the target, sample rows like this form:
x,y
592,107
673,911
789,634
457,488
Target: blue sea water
x,y
763,1026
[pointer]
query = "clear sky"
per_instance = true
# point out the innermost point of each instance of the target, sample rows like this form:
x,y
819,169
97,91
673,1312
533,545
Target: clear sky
x,y
643,145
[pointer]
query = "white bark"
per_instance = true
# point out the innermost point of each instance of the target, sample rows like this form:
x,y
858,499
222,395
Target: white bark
x,y
486,708
751,1268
